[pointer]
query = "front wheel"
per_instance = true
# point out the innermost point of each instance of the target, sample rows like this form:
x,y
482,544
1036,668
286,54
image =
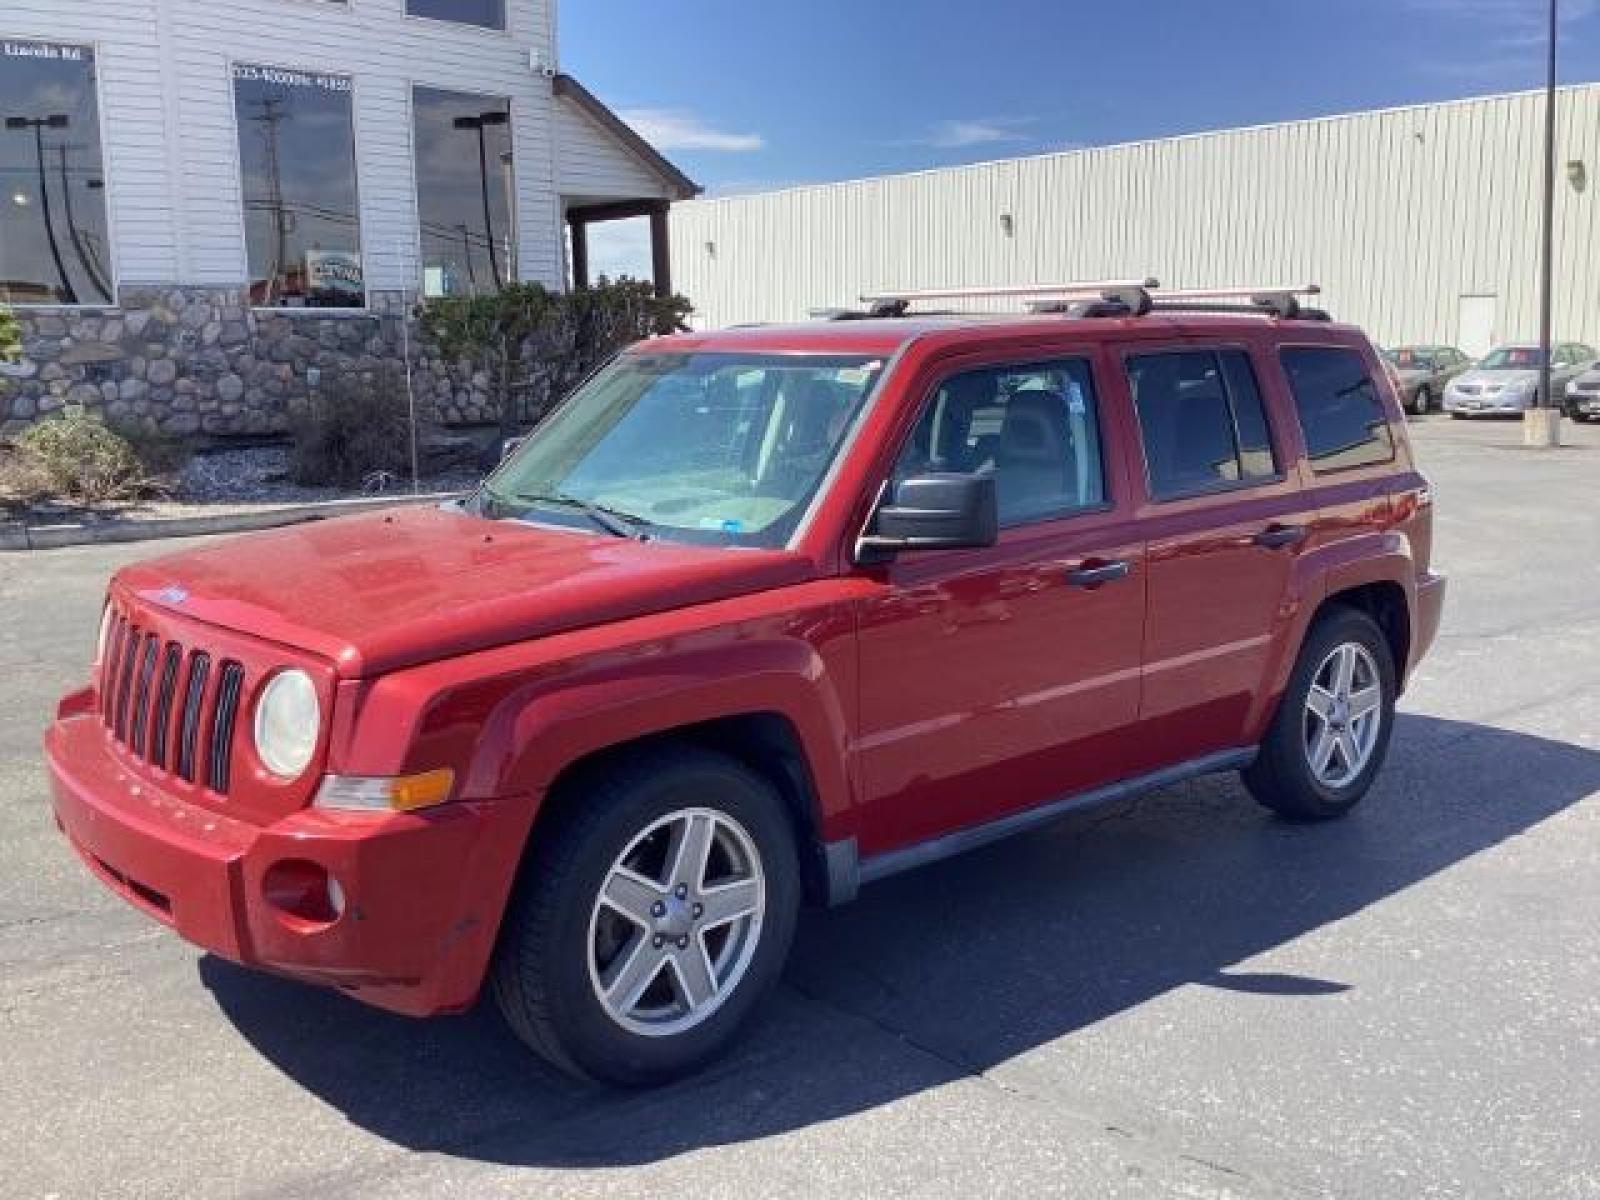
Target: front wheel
x,y
651,917
1332,728
1423,403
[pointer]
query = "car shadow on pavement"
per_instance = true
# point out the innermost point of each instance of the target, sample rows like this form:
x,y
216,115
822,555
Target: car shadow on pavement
x,y
948,971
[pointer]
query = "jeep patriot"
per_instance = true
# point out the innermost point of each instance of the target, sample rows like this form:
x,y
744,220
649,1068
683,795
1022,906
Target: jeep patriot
x,y
756,617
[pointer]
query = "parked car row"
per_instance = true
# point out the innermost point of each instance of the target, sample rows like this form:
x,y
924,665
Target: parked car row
x,y
1506,380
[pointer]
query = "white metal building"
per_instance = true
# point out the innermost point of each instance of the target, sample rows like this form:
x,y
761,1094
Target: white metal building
x,y
1421,223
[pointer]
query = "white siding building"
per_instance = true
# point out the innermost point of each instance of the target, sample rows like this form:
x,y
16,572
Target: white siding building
x,y
297,169
1420,223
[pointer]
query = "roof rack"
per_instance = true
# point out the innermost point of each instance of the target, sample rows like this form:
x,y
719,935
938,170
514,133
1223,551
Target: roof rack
x,y
1098,298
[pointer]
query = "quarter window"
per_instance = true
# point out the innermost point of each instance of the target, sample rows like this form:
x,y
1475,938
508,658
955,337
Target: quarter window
x,y
1340,413
297,157
1201,421
54,246
465,190
491,14
1035,428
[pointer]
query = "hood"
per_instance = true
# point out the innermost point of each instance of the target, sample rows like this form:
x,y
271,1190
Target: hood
x,y
1496,379
380,591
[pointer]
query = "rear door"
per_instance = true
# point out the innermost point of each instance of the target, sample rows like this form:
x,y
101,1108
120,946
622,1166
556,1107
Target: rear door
x,y
994,679
1224,518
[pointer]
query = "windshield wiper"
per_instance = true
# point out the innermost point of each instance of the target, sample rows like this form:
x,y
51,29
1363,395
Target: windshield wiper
x,y
614,521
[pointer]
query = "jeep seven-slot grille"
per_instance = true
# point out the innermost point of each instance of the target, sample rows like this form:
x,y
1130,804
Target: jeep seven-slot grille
x,y
169,704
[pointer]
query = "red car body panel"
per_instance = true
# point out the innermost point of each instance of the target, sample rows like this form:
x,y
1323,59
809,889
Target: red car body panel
x,y
924,695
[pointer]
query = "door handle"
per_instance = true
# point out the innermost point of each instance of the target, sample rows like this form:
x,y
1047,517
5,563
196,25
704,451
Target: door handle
x,y
1093,574
1274,536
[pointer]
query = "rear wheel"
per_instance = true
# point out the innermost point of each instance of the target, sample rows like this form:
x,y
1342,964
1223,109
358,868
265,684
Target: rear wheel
x,y
1332,728
650,918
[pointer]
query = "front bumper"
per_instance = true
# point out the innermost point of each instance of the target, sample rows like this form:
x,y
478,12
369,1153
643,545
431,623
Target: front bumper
x,y
423,891
1481,404
1587,403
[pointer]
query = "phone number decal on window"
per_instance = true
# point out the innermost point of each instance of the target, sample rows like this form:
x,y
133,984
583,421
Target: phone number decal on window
x,y
304,79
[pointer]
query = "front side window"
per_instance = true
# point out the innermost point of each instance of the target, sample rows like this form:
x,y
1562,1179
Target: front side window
x,y
491,14
297,158
1035,428
722,449
1201,421
1340,413
465,192
54,245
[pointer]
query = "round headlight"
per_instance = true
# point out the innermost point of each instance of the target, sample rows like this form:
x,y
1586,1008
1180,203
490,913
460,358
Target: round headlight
x,y
288,721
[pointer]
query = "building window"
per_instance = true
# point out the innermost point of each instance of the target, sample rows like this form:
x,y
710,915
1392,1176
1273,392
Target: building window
x,y
54,246
1343,419
491,14
1201,421
466,192
297,156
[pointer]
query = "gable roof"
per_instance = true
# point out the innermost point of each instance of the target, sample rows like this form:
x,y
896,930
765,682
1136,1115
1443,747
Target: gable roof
x,y
679,185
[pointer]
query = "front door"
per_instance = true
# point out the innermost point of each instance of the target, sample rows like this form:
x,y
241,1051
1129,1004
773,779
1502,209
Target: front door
x,y
995,679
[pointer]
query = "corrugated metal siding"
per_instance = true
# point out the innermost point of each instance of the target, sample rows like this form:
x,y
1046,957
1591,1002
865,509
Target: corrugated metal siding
x,y
591,163
166,91
1397,214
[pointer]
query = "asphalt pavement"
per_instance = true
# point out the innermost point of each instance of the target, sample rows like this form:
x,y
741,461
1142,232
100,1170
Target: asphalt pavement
x,y
1178,996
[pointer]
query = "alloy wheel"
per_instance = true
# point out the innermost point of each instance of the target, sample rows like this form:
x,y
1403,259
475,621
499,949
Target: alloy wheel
x,y
1343,714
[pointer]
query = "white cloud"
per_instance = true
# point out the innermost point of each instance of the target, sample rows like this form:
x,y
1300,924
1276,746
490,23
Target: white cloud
x,y
671,129
977,131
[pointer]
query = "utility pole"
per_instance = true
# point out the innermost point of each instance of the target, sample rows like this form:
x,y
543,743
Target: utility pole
x,y
91,268
39,125
272,115
479,123
1543,426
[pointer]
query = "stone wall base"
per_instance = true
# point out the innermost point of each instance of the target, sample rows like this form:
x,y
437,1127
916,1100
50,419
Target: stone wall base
x,y
185,361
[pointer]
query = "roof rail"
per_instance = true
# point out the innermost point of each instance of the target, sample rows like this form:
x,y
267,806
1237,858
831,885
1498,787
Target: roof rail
x,y
1282,300
1134,294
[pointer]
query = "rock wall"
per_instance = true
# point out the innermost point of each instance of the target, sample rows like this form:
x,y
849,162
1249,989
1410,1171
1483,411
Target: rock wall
x,y
193,360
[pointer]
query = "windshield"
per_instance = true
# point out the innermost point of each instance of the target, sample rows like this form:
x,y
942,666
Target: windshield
x,y
1512,358
709,448
1413,358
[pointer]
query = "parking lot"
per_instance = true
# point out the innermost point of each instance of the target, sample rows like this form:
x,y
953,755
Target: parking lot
x,y
1175,996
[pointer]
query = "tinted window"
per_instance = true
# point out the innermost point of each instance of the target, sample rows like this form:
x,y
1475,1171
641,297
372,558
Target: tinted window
x,y
1339,409
1035,428
464,190
488,13
53,241
297,155
1201,421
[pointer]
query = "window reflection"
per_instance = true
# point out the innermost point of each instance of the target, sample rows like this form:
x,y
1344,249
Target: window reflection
x,y
465,192
54,246
297,156
490,14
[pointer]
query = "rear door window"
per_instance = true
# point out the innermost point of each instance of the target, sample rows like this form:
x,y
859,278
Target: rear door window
x,y
1340,412
1201,421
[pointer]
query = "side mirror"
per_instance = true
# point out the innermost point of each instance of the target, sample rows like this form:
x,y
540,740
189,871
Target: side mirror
x,y
935,512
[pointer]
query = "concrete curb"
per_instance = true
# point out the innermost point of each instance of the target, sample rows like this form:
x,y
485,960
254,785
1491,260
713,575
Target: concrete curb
x,y
14,535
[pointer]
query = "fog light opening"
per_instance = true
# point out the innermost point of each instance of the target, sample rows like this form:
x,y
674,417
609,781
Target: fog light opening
x,y
303,894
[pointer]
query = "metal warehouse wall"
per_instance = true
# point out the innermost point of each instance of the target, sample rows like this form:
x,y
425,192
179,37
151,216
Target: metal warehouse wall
x,y
1398,214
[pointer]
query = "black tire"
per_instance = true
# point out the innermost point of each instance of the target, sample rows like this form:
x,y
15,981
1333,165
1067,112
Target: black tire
x,y
1423,402
1281,778
541,974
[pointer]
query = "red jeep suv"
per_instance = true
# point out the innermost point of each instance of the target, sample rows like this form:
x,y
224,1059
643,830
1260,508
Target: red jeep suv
x,y
756,617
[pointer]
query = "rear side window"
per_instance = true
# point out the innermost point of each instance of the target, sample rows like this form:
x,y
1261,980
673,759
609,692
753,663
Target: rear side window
x,y
1343,419
1201,421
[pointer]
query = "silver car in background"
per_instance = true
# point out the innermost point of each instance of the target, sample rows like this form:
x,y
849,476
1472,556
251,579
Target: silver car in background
x,y
1583,396
1506,380
1423,372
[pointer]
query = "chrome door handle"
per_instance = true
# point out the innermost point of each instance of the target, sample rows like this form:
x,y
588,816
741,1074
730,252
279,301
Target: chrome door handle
x,y
1093,574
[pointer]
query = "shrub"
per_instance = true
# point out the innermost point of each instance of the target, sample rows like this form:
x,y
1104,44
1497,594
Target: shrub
x,y
76,456
355,428
10,336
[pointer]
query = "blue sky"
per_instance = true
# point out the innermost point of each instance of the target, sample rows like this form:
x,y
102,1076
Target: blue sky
x,y
761,94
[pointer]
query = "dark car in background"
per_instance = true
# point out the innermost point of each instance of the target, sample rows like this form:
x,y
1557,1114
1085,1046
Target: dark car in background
x,y
1583,396
1422,373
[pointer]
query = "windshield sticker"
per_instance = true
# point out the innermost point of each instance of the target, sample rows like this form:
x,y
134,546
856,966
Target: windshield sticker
x,y
722,524
857,376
